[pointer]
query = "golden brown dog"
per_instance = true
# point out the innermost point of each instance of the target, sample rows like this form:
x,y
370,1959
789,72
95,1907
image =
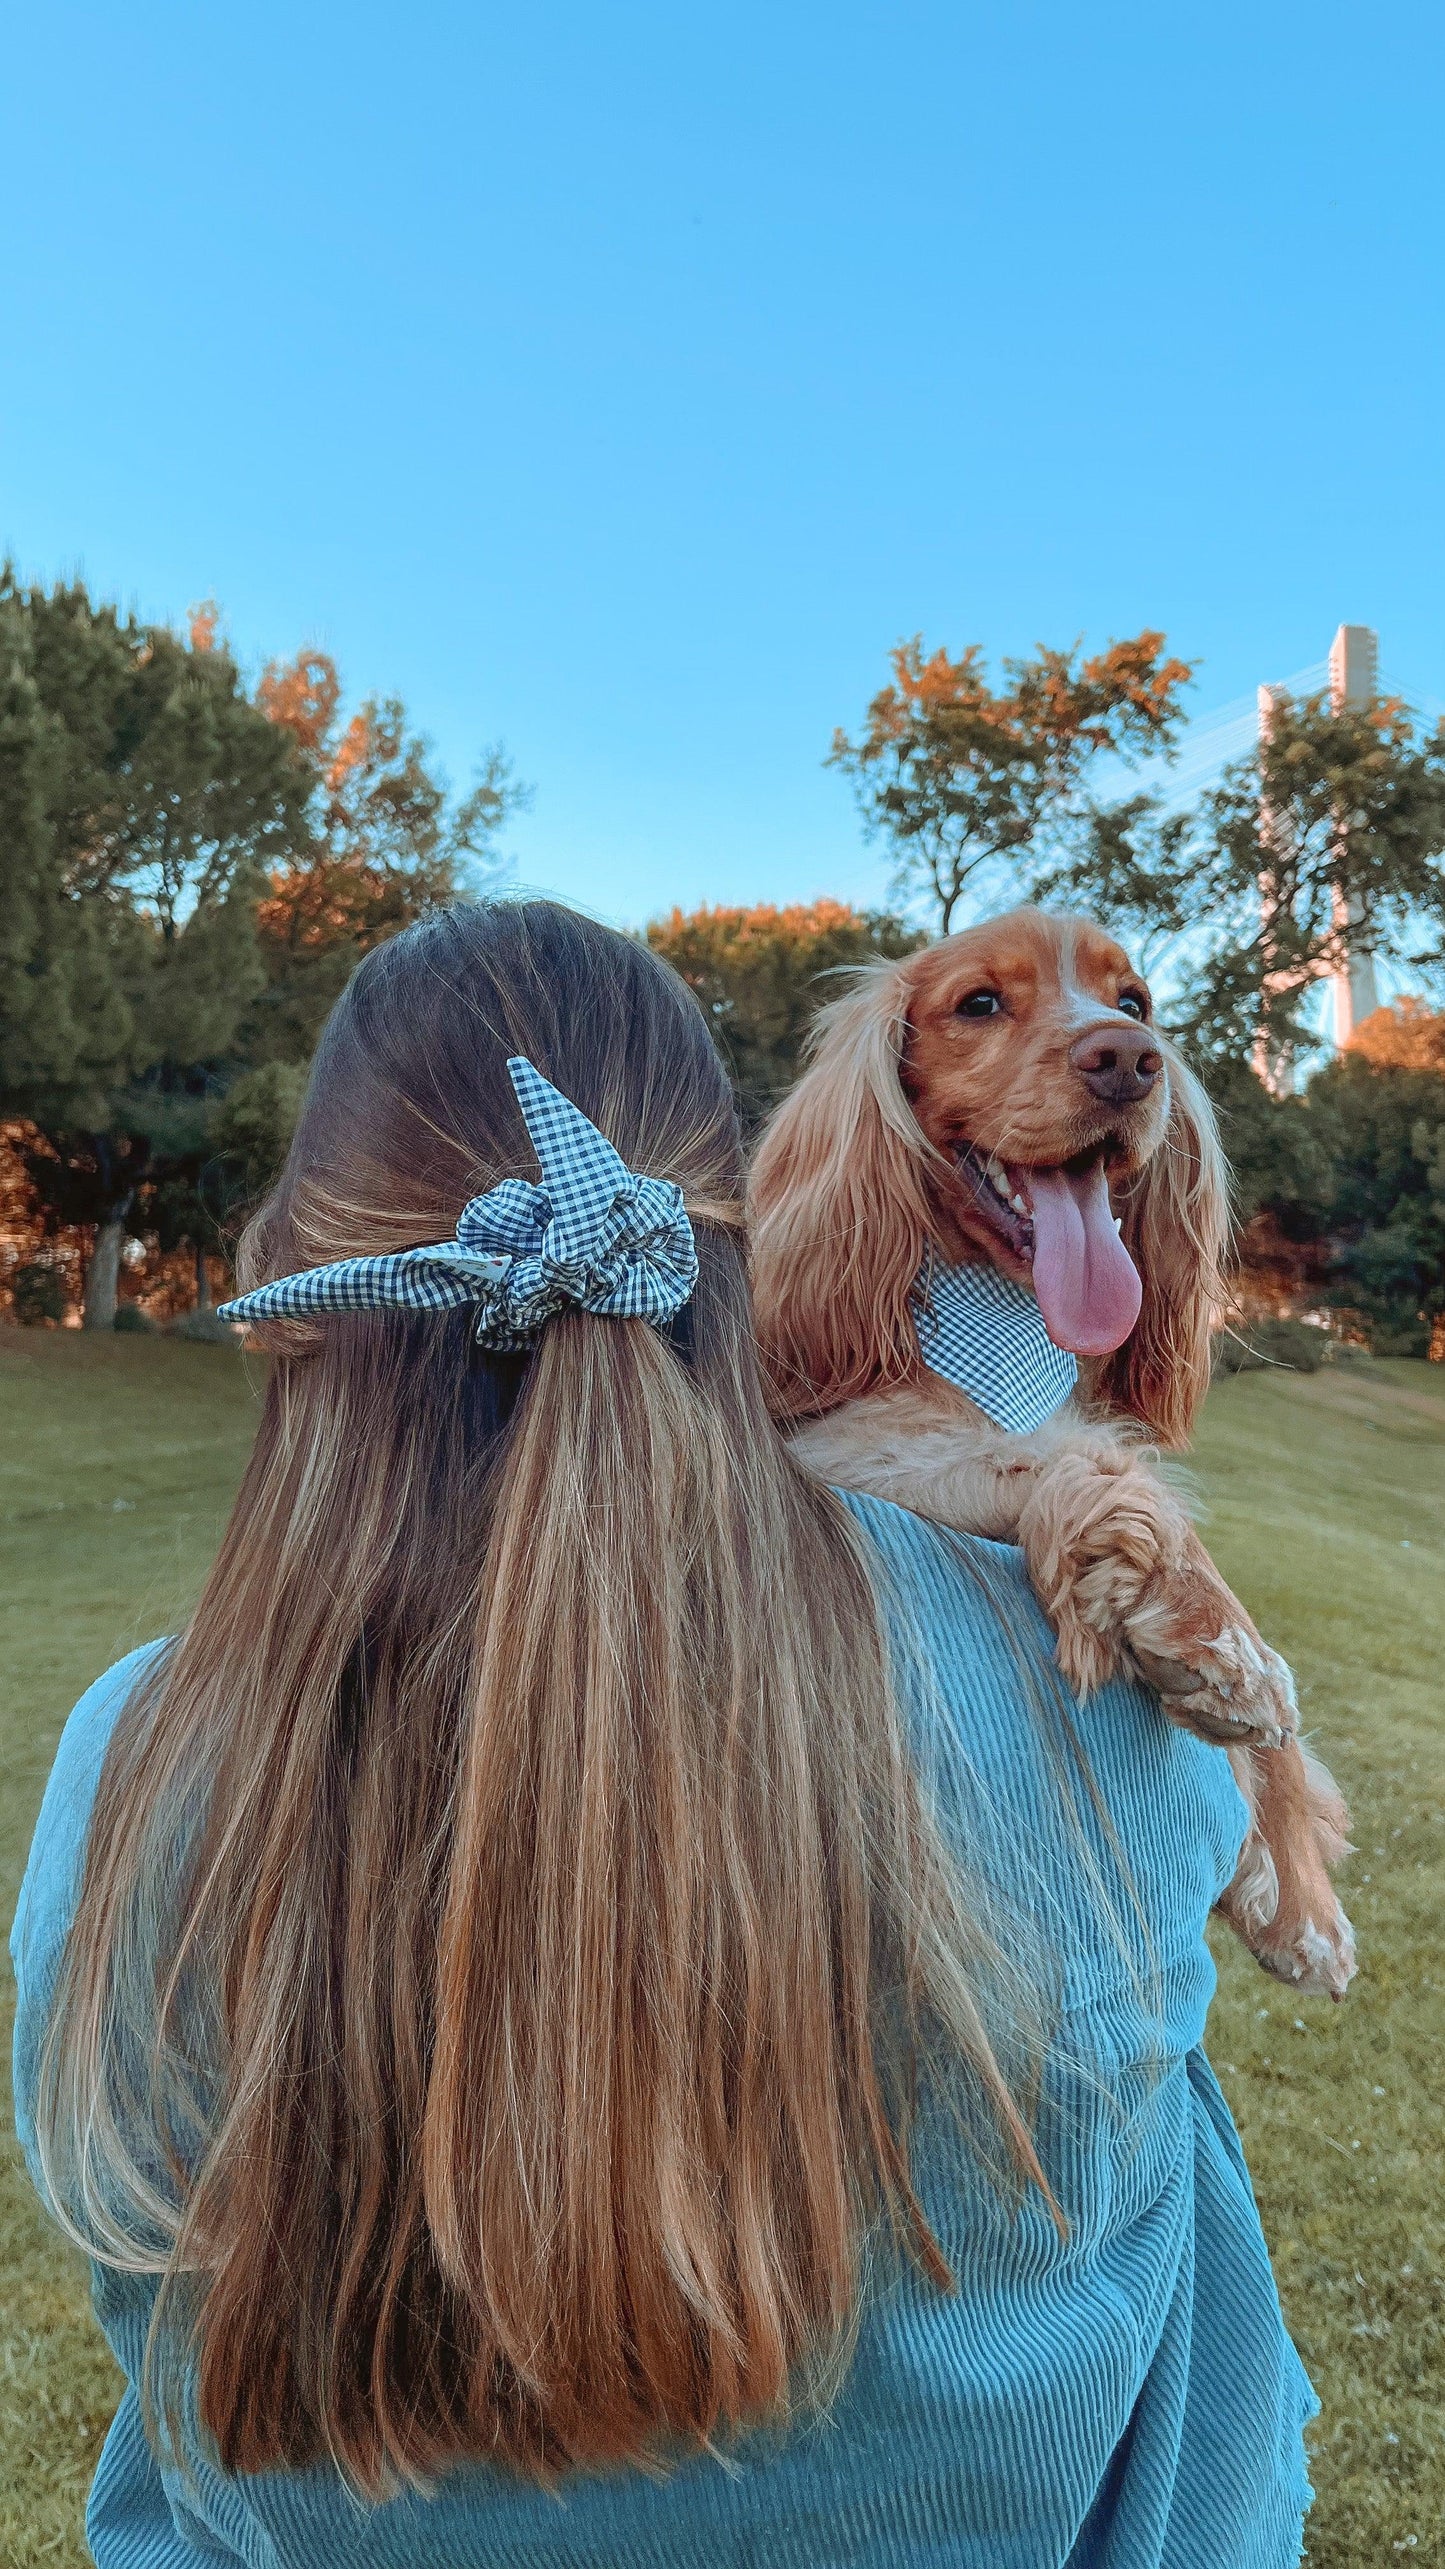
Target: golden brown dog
x,y
1005,1097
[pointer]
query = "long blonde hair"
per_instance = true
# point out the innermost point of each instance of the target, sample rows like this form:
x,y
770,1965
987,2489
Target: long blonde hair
x,y
510,1925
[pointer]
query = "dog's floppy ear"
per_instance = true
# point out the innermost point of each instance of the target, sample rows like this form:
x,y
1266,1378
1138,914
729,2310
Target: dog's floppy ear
x,y
839,1210
1174,1220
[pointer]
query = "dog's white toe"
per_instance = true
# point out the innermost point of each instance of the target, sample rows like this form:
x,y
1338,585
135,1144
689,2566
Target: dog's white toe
x,y
1317,1957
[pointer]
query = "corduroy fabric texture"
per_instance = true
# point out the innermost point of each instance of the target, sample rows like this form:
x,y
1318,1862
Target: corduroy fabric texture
x,y
1127,2399
594,1234
987,1334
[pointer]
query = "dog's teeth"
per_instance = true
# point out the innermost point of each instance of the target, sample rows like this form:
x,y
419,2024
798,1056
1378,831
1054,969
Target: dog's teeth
x,y
996,1178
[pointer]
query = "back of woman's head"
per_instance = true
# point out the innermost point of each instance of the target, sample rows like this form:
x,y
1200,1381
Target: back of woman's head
x,y
506,1906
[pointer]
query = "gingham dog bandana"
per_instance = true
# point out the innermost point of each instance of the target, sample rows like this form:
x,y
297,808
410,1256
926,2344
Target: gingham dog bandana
x,y
594,1235
987,1334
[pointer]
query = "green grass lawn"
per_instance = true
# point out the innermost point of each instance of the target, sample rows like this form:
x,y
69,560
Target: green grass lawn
x,y
1325,1506
118,1457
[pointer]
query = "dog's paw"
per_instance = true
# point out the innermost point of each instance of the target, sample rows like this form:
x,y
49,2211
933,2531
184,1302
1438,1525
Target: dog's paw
x,y
1127,1584
1228,1685
1281,1902
1314,1954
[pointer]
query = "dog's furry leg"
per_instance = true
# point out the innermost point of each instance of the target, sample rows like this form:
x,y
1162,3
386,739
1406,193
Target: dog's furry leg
x,y
1116,1562
1112,1555
920,1451
1125,1581
1119,1555
1282,1903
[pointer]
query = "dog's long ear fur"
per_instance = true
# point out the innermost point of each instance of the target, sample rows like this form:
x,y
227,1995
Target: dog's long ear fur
x,y
840,1211
1175,1225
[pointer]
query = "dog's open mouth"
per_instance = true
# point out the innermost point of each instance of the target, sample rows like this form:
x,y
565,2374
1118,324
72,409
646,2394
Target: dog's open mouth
x,y
999,1197
1060,1224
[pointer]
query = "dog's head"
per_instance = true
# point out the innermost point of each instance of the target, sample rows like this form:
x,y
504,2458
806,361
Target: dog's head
x,y
1005,1096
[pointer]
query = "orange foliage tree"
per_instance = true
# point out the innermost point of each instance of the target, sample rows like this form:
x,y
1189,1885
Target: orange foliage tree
x,y
1405,1036
385,843
761,975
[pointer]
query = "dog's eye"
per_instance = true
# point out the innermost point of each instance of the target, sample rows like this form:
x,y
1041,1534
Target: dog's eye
x,y
1133,1003
979,1003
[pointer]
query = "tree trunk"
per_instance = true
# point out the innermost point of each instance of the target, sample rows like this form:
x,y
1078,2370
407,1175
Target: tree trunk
x,y
203,1281
103,1272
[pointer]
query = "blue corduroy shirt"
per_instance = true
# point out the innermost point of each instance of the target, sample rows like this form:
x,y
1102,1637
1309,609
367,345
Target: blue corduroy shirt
x,y
1124,2398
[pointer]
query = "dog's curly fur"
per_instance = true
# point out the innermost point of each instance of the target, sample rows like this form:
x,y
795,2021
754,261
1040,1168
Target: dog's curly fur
x,y
872,1160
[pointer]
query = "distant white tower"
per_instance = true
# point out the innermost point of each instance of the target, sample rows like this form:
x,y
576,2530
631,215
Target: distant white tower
x,y
1354,680
1273,1068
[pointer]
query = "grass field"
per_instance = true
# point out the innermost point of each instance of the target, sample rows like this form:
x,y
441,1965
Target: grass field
x,y
1326,1507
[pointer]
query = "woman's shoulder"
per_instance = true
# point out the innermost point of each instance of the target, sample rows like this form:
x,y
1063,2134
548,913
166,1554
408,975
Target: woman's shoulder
x,y
943,1576
973,1651
1027,1771
899,1528
47,1894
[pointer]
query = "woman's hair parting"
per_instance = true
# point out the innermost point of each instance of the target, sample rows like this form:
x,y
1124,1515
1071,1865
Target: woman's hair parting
x,y
511,1925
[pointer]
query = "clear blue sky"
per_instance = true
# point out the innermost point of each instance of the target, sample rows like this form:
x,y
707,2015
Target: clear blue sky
x,y
621,382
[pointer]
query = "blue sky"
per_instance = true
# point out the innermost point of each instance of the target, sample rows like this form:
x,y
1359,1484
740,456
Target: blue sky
x,y
622,382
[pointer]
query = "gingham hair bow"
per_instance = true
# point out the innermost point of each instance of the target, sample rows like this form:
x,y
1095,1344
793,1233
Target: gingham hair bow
x,y
594,1235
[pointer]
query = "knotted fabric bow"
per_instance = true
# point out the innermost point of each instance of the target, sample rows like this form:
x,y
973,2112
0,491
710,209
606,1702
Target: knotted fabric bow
x,y
594,1235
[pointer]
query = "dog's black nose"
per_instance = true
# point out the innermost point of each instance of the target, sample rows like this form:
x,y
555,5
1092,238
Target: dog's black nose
x,y
1117,1064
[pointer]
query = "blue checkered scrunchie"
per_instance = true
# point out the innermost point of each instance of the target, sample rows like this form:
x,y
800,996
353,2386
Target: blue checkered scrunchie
x,y
594,1235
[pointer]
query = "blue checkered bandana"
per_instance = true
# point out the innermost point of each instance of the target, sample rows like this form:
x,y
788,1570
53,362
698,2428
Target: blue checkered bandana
x,y
981,1331
594,1235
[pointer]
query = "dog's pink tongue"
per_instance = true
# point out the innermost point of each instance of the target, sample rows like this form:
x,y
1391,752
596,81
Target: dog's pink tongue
x,y
1087,1284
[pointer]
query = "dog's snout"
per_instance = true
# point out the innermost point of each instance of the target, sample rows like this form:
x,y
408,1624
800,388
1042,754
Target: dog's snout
x,y
1117,1064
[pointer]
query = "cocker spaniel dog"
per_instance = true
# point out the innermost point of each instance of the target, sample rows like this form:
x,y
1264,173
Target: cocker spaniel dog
x,y
994,1167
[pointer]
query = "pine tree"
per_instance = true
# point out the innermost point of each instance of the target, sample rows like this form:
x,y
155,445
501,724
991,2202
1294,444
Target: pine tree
x,y
146,797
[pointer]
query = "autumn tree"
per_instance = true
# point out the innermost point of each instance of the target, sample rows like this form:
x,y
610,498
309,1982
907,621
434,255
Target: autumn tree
x,y
968,780
762,974
1405,1035
384,841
